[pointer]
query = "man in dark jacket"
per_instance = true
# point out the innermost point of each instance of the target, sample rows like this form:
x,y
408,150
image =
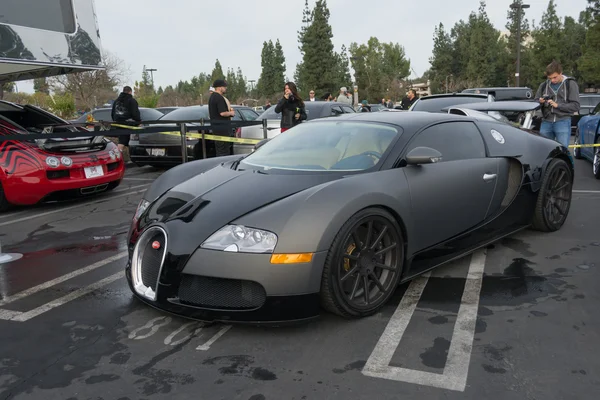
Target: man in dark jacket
x,y
409,100
125,110
559,96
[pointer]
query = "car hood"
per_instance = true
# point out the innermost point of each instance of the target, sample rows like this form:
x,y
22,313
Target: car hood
x,y
198,207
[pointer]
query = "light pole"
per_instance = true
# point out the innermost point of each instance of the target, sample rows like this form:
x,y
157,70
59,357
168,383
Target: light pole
x,y
517,5
251,86
151,70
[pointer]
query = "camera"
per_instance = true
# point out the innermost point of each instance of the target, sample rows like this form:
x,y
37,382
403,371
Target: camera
x,y
291,98
546,97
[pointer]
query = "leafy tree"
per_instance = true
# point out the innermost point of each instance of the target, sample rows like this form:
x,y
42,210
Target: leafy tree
x,y
548,37
217,72
7,87
321,68
571,48
590,60
378,68
442,59
272,76
40,85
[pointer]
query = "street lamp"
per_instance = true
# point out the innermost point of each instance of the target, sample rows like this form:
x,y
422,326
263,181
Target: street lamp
x,y
151,70
517,5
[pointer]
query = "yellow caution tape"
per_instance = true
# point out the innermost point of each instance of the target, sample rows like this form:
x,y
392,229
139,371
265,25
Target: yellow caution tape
x,y
584,145
217,138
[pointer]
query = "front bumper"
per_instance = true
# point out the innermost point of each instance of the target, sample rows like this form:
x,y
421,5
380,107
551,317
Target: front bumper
x,y
220,286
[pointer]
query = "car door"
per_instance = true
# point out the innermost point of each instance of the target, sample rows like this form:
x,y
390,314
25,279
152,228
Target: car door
x,y
590,127
454,195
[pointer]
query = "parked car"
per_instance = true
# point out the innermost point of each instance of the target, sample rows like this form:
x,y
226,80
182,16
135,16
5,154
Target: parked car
x,y
104,114
166,110
437,102
314,110
334,214
44,170
504,93
588,103
588,133
158,149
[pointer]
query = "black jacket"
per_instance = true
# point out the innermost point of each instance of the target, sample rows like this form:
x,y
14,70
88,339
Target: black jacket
x,y
288,110
131,108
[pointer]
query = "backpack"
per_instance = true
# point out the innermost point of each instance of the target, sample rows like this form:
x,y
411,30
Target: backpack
x,y
121,110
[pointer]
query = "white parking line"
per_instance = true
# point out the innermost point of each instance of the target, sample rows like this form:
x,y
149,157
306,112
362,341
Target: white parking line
x,y
139,179
61,279
586,191
456,370
14,221
24,316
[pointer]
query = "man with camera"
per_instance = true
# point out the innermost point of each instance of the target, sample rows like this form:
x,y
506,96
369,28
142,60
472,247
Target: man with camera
x,y
559,96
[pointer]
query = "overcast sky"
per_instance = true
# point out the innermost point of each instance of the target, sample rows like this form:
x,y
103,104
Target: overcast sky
x,y
181,38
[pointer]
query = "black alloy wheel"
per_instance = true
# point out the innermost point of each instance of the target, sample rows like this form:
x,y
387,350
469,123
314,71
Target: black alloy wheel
x,y
554,198
364,264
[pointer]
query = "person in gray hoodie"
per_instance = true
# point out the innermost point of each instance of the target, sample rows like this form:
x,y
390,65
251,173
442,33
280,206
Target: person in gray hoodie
x,y
559,96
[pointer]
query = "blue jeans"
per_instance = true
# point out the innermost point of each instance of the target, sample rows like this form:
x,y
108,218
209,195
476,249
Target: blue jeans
x,y
559,131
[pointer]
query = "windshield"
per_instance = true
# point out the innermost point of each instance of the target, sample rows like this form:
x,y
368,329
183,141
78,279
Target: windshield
x,y
437,104
325,146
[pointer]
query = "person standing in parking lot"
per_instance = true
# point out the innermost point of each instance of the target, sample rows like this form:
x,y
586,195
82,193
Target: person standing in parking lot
x,y
219,110
559,96
291,106
409,100
125,111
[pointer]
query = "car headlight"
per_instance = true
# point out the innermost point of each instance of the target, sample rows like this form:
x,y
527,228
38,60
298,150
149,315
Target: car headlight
x,y
142,207
238,238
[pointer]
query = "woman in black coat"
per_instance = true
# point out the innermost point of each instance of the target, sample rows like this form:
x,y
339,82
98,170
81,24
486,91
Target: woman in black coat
x,y
291,107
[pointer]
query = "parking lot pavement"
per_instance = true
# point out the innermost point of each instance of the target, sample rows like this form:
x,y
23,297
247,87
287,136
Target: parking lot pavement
x,y
517,320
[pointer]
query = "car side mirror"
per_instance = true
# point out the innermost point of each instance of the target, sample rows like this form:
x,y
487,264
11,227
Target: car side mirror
x,y
259,144
423,155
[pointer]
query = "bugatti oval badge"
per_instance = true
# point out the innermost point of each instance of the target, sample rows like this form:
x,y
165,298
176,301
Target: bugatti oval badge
x,y
156,245
498,136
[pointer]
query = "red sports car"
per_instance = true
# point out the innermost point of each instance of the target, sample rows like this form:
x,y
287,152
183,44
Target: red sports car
x,y
45,170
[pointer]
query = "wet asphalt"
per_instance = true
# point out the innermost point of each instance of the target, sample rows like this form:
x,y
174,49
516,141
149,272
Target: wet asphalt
x,y
535,326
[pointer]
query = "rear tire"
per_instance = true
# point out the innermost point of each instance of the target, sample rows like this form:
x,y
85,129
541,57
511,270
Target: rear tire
x,y
554,198
359,278
4,204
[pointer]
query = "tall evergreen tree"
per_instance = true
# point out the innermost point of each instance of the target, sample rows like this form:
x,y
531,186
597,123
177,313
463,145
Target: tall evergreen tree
x,y
442,59
217,72
319,69
548,37
278,68
590,60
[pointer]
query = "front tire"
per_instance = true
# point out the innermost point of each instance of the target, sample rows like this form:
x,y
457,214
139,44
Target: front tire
x,y
554,198
364,264
596,160
577,150
4,204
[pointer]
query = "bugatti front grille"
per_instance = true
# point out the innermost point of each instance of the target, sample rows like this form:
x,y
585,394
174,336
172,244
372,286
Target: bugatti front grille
x,y
152,259
219,293
147,261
